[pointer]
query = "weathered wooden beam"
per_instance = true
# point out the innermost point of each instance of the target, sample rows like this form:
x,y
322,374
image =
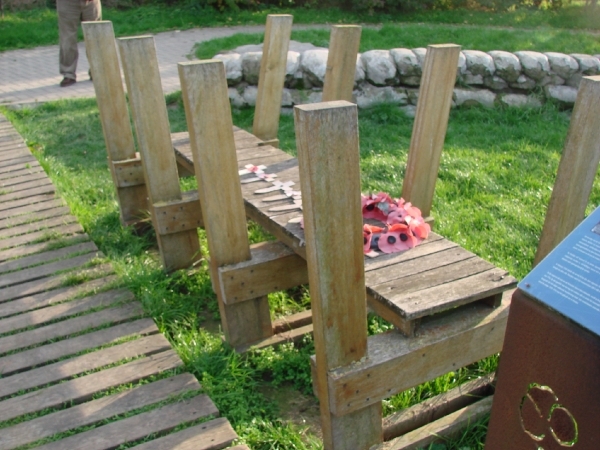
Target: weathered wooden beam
x,y
442,429
129,172
179,215
396,363
328,157
344,42
272,267
431,122
576,171
114,116
432,409
208,114
149,111
272,77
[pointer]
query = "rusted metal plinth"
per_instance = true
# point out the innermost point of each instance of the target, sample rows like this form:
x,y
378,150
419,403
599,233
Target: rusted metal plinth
x,y
548,390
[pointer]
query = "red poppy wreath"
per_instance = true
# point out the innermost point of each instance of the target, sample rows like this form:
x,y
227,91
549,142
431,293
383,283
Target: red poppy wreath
x,y
402,225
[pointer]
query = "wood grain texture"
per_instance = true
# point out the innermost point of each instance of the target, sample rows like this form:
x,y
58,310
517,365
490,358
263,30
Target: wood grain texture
x,y
81,389
328,157
212,435
66,235
26,206
431,122
441,429
41,355
273,267
159,420
114,115
446,343
576,171
68,368
208,114
70,326
95,411
23,232
272,76
177,215
344,42
8,225
142,76
431,409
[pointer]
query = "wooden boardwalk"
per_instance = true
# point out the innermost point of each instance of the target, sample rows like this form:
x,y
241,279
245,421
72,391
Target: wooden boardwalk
x,y
72,352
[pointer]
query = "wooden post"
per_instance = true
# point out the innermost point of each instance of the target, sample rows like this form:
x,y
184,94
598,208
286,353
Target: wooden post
x,y
208,114
576,171
328,156
114,116
272,77
341,62
149,111
431,122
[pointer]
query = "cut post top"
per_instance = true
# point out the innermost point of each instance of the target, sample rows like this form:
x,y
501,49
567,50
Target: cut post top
x,y
324,105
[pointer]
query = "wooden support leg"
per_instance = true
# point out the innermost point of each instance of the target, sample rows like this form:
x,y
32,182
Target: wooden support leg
x,y
180,249
431,122
341,62
272,77
208,114
328,156
114,116
576,171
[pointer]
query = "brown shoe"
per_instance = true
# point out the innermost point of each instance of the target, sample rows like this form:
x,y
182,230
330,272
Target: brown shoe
x,y
67,82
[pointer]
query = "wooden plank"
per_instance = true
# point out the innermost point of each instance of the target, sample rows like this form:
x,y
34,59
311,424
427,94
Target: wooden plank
x,y
94,411
128,173
292,321
444,343
14,222
435,408
208,114
460,292
341,62
262,274
441,429
160,420
46,284
41,258
40,355
68,368
576,171
434,243
140,65
272,76
7,166
44,270
26,179
65,235
328,157
24,234
56,296
33,168
47,188
28,205
431,122
114,116
283,337
212,435
63,310
386,279
177,215
70,326
19,188
83,388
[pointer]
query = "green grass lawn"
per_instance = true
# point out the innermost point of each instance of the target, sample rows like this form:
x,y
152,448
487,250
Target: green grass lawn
x,y
496,176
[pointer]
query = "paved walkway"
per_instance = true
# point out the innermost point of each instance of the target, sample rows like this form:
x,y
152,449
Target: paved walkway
x,y
31,76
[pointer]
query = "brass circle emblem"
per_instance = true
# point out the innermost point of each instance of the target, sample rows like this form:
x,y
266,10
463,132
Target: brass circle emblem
x,y
542,415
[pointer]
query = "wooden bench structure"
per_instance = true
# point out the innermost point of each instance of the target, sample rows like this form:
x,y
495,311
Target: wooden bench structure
x,y
60,342
407,289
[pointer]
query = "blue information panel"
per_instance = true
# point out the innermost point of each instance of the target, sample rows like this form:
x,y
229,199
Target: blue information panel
x,y
568,279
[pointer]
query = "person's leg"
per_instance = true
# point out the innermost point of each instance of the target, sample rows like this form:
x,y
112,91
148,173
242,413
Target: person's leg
x,y
92,12
69,14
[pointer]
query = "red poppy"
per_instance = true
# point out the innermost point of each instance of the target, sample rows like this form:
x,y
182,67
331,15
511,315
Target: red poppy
x,y
397,238
376,206
368,232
